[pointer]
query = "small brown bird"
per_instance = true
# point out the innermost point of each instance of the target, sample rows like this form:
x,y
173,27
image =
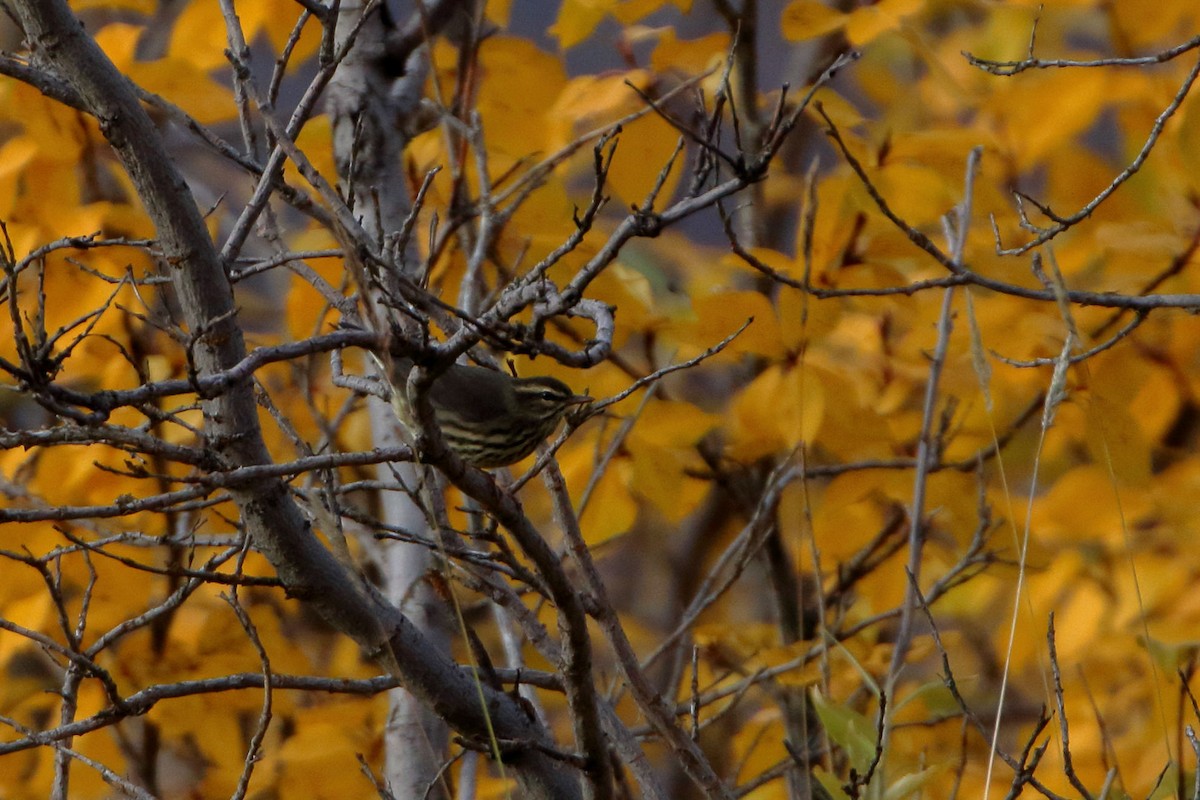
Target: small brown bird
x,y
487,418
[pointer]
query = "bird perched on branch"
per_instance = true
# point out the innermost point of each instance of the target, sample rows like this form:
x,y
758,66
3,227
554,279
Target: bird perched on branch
x,y
489,419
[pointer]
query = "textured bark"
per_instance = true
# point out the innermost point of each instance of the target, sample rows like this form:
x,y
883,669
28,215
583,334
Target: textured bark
x,y
275,524
367,109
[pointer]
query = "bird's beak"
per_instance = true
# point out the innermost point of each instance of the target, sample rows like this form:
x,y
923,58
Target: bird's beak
x,y
580,399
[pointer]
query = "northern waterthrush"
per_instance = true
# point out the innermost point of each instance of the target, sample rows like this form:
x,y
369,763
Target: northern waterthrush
x,y
490,419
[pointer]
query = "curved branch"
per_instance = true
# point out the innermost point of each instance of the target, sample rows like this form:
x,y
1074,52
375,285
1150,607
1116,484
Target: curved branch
x,y
274,522
1146,302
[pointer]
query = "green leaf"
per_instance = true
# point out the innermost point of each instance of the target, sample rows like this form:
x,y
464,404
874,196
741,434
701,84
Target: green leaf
x,y
850,730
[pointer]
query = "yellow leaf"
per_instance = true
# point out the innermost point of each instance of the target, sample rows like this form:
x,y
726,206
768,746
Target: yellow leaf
x,y
1081,507
634,283
807,19
543,221
187,87
140,6
1156,599
119,42
498,11
943,149
631,11
768,257
179,81
804,319
492,786
1156,402
1142,29
745,640
1083,617
314,760
669,423
315,141
55,130
852,502
199,36
916,192
589,101
577,19
868,22
721,313
1188,136
756,746
32,611
1115,438
807,675
519,123
783,407
841,112
15,155
689,56
834,229
611,509
276,19
659,478
1049,110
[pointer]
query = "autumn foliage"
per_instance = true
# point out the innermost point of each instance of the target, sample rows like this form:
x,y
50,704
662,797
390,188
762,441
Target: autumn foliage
x,y
889,309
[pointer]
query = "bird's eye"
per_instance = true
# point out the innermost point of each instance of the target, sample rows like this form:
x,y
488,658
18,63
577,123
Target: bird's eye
x,y
548,396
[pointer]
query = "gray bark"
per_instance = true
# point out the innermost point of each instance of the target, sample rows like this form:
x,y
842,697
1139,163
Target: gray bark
x,y
277,527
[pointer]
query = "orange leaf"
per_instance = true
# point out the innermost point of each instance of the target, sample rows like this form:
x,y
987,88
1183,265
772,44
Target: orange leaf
x,y
808,19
